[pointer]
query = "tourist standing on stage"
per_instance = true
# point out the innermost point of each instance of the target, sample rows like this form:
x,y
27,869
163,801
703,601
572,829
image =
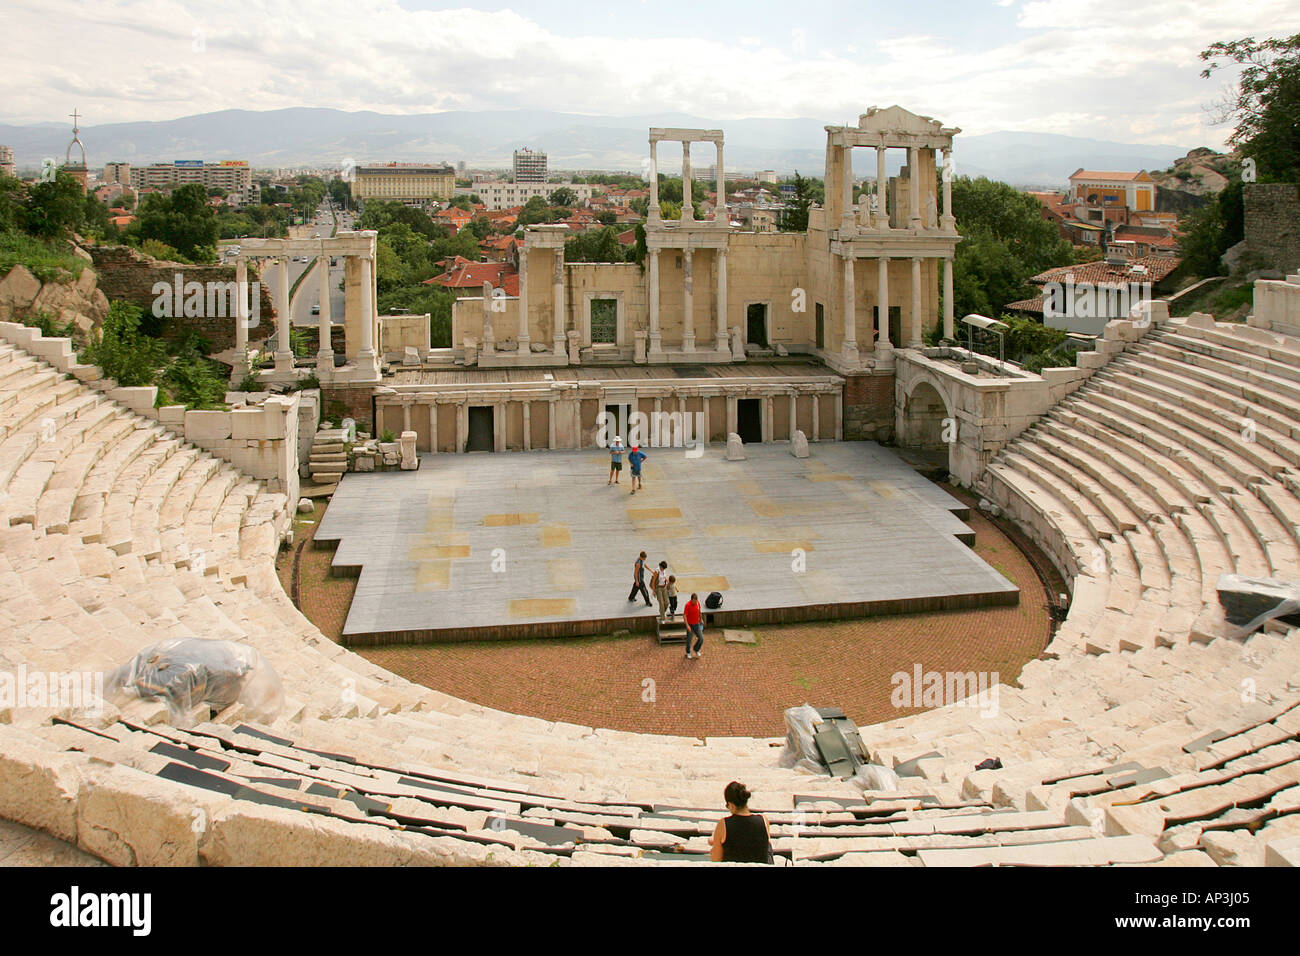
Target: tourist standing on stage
x,y
638,580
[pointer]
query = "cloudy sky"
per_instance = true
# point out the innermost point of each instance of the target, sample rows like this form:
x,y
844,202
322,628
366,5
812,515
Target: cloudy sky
x,y
1111,69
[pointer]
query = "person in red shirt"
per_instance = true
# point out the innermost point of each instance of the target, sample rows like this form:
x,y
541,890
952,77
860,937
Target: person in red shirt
x,y
694,627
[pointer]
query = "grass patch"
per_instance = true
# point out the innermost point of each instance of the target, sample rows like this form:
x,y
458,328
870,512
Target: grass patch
x,y
48,261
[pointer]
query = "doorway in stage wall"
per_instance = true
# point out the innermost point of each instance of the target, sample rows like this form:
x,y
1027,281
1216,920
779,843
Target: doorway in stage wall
x,y
756,325
616,425
749,420
895,324
821,326
481,429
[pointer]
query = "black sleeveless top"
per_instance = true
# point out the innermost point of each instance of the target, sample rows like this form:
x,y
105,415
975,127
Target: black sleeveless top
x,y
746,840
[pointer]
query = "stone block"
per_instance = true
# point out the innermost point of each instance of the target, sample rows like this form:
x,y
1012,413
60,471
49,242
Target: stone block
x,y
246,424
364,463
735,448
207,426
410,355
409,460
173,416
798,445
306,506
37,788
130,818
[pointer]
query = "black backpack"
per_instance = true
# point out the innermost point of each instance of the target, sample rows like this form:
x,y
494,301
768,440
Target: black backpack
x,y
713,601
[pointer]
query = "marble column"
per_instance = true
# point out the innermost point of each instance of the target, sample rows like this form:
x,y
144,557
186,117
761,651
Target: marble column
x,y
521,337
550,422
523,288
283,351
528,425
847,225
657,424
240,367
366,357
720,207
489,332
406,416
688,205
769,422
817,418
462,425
914,187
721,343
882,190
433,428
561,338
688,301
324,348
839,416
656,341
849,348
882,305
731,414
652,207
914,330
703,437
947,298
948,221
794,414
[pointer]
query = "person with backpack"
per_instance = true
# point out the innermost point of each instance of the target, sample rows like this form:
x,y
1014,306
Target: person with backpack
x,y
694,627
638,581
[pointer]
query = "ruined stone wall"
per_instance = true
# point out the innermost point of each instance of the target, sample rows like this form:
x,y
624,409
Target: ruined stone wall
x,y
869,407
1272,226
129,275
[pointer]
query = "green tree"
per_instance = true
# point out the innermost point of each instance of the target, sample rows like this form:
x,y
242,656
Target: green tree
x,y
1005,241
564,196
1207,233
535,210
1265,104
183,220
596,245
13,199
55,209
795,218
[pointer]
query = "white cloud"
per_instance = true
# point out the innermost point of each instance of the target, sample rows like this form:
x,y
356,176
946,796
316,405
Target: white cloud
x,y
1104,68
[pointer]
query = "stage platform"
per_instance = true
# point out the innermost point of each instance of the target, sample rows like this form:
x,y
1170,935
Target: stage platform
x,y
488,546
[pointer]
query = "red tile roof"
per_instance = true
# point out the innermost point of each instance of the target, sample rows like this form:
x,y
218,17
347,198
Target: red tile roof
x,y
1102,273
471,275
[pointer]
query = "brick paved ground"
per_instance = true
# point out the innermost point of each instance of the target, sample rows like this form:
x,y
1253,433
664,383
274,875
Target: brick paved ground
x,y
631,683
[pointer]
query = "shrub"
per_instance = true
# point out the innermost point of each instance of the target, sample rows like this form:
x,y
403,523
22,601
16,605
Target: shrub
x,y
249,383
387,436
120,349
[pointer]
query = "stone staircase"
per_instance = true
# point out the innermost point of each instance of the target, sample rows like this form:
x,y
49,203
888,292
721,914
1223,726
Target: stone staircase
x,y
329,457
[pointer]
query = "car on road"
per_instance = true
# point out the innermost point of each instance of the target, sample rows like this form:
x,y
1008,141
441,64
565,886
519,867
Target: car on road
x,y
315,310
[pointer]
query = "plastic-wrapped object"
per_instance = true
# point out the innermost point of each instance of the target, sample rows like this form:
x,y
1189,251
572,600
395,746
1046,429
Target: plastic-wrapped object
x,y
1249,602
872,776
800,731
187,672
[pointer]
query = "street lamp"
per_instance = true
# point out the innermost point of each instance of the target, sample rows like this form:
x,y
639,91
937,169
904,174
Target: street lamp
x,y
974,322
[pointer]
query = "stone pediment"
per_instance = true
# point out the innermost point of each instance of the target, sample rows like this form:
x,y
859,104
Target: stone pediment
x,y
895,119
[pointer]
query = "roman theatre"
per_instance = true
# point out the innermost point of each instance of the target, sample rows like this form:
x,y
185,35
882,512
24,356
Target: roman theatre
x,y
863,500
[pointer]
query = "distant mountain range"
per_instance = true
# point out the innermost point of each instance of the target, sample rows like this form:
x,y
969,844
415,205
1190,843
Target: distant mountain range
x,y
325,137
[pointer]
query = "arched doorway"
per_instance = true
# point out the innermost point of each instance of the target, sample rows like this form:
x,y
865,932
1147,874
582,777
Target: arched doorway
x,y
927,424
